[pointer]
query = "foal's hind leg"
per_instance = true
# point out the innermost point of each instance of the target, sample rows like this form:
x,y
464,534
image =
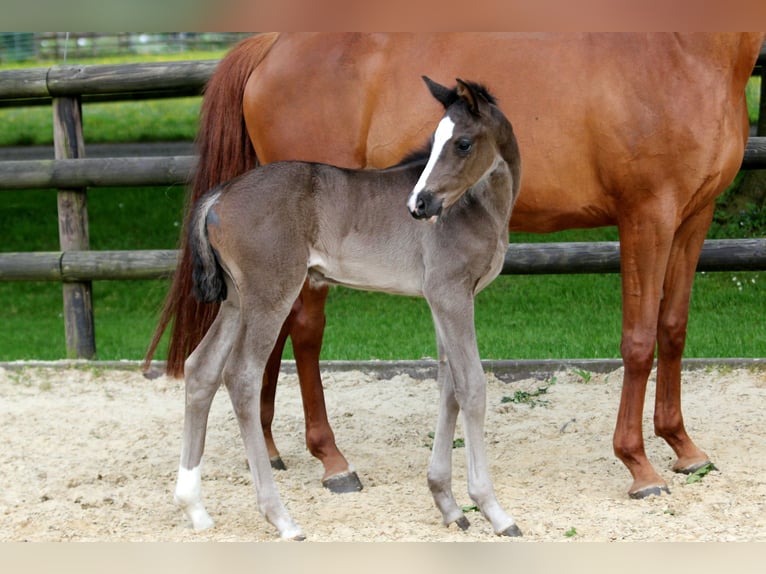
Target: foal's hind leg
x,y
259,328
203,377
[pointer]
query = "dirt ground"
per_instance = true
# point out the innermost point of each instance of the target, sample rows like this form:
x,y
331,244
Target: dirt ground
x,y
91,454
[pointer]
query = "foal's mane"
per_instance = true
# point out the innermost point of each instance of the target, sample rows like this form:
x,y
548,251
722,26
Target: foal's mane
x,y
480,90
421,154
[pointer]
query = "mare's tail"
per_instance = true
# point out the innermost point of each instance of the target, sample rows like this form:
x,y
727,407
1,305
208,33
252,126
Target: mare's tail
x,y
224,151
208,283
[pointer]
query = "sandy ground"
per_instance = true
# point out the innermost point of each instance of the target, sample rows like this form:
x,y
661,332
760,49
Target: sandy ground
x,y
91,454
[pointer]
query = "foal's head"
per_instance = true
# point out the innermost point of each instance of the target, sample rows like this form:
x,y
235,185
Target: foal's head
x,y
466,147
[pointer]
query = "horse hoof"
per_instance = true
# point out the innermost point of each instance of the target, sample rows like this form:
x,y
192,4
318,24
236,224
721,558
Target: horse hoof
x,y
513,531
277,463
649,491
463,523
692,468
342,483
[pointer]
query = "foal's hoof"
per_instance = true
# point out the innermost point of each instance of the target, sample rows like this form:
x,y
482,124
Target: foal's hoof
x,y
513,531
277,463
463,523
649,491
342,483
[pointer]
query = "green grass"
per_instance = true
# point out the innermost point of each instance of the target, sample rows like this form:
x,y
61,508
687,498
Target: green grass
x,y
517,317
125,311
753,94
546,317
171,119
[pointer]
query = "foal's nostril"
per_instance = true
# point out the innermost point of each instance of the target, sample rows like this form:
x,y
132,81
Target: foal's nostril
x,y
426,205
422,203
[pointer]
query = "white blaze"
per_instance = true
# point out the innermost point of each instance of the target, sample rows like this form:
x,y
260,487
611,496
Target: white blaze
x,y
442,136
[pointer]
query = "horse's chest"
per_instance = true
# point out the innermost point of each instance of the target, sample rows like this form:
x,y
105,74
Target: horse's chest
x,y
495,265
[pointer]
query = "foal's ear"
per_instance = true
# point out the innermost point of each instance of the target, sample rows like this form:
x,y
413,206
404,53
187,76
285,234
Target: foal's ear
x,y
443,94
469,95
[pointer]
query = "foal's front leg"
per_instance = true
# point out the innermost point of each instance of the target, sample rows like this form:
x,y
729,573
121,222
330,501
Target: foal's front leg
x,y
440,468
453,317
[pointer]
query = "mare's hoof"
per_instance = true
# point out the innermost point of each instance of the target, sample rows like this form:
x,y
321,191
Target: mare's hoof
x,y
277,463
692,468
512,531
342,483
649,491
463,523
299,538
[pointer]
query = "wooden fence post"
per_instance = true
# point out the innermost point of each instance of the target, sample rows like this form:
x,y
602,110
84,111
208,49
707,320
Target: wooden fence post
x,y
73,230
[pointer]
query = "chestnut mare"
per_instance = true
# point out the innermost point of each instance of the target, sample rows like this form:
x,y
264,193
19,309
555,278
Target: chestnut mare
x,y
252,251
641,131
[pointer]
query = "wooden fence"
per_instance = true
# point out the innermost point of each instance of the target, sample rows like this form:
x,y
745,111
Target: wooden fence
x,y
66,87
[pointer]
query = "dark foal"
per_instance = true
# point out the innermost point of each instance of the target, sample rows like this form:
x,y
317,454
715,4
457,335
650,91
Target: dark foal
x,y
258,238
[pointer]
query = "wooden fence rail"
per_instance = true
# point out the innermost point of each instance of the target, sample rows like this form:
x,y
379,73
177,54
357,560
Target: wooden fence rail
x,y
520,259
96,172
104,82
755,153
66,87
168,170
74,266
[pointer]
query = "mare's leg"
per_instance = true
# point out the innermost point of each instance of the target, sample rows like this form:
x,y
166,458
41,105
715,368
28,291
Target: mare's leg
x,y
269,393
243,376
306,327
645,239
440,467
453,315
203,377
671,339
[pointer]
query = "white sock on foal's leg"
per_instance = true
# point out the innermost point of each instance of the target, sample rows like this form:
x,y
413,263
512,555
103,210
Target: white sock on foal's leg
x,y
188,496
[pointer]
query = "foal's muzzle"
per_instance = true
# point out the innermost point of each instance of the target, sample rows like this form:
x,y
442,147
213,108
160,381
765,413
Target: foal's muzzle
x,y
427,205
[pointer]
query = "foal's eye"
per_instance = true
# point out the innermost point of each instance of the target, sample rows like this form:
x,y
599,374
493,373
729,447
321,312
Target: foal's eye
x,y
463,146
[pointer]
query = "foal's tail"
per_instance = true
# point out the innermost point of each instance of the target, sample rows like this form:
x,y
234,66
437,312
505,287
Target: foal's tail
x,y
208,284
225,152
